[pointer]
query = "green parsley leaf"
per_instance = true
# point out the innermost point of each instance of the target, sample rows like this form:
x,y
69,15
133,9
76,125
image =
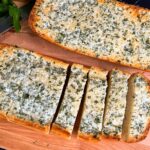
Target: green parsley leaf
x,y
15,13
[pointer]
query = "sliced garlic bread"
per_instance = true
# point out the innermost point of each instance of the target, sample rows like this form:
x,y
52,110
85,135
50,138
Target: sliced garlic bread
x,y
33,84
115,103
93,109
137,117
5,70
106,29
65,120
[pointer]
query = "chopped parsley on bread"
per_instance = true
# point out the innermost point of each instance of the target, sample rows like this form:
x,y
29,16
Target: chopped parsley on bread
x,y
105,29
93,109
137,117
31,86
66,117
115,103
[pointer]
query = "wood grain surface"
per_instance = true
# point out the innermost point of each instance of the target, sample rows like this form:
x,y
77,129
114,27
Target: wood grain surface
x,y
15,137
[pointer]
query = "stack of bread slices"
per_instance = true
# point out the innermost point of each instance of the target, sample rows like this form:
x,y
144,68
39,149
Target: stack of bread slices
x,y
46,94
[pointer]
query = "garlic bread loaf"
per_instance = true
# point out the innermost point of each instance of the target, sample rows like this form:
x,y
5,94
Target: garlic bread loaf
x,y
105,29
115,103
31,86
66,117
93,109
137,117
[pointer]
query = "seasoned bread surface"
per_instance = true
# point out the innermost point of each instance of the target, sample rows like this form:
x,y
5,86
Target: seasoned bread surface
x,y
106,29
31,86
115,103
137,117
92,118
69,108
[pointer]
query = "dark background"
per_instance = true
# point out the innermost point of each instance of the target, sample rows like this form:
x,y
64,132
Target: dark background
x,y
142,3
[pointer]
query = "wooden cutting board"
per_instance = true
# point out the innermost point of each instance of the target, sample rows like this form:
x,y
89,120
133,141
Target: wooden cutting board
x,y
15,137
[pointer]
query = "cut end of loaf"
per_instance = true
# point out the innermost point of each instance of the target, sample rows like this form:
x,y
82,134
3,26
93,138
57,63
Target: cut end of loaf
x,y
128,111
137,120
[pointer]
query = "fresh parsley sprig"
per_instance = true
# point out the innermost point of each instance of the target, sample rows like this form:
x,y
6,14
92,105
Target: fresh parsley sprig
x,y
8,7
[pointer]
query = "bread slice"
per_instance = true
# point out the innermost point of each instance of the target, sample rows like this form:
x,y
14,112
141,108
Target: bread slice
x,y
5,100
137,117
5,104
115,103
93,110
65,120
33,84
105,29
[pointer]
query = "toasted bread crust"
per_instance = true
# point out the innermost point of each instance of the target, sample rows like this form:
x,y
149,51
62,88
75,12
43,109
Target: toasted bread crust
x,y
60,131
118,137
3,115
29,124
89,137
33,18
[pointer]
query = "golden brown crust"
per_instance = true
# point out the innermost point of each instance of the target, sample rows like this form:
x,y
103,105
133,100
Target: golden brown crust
x,y
2,45
2,117
2,114
29,124
3,48
118,137
60,131
33,19
89,137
